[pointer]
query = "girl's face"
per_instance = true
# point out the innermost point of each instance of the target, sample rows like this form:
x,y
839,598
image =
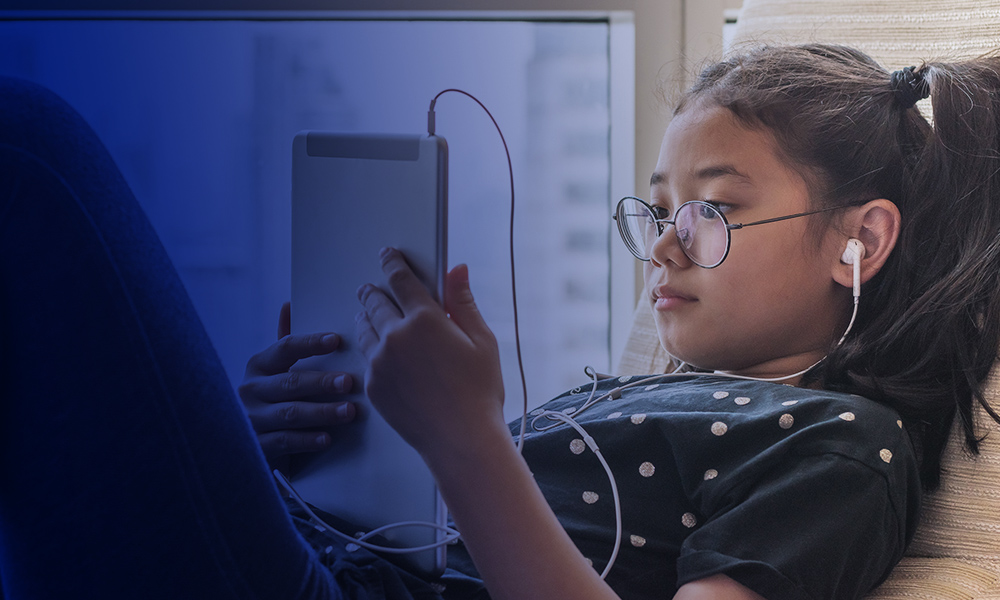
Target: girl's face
x,y
772,307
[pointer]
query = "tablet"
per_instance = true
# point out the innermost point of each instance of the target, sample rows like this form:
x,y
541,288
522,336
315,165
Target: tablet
x,y
352,195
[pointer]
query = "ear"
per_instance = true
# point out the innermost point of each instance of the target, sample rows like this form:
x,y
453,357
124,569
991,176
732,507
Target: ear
x,y
876,224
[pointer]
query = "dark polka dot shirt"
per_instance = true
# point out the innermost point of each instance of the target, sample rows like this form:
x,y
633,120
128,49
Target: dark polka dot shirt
x,y
795,493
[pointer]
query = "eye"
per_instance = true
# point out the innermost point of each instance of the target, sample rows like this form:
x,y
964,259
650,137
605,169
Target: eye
x,y
660,212
707,211
721,207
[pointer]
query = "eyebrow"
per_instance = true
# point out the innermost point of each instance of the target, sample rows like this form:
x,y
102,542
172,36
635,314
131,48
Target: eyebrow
x,y
712,172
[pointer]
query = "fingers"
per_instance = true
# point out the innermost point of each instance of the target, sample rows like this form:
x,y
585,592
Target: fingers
x,y
301,415
280,356
366,335
406,288
461,306
380,311
283,443
295,385
276,433
285,320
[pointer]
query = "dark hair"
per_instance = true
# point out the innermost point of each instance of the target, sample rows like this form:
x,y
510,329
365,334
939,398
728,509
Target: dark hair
x,y
928,326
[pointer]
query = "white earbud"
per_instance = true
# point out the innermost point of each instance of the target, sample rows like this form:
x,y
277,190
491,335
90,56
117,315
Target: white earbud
x,y
853,254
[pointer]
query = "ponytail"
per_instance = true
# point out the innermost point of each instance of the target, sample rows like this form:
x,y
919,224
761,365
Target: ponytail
x,y
933,331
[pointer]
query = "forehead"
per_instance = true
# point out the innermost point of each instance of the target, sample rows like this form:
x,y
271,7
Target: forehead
x,y
708,143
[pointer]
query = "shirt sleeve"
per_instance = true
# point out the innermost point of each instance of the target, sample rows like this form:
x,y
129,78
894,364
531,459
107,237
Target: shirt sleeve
x,y
814,526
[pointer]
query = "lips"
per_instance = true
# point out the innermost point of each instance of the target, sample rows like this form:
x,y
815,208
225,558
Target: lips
x,y
668,298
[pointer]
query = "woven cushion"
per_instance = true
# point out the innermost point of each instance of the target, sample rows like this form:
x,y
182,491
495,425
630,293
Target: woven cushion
x,y
956,552
897,34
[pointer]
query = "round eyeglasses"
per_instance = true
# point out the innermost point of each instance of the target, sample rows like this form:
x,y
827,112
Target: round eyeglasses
x,y
702,231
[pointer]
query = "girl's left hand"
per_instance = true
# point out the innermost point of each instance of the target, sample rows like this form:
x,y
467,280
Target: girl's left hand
x,y
433,373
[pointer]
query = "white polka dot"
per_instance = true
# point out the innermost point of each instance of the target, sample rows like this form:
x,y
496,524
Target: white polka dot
x,y
537,412
577,446
689,520
647,469
720,395
569,411
352,547
711,474
590,497
789,402
719,428
637,540
742,400
576,390
319,528
328,549
614,415
847,416
885,455
639,418
625,379
899,424
785,421
652,387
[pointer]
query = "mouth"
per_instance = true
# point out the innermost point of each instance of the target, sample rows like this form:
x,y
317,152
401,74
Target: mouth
x,y
666,298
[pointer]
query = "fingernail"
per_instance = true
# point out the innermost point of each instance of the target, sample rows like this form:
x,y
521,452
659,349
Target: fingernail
x,y
340,383
383,252
345,410
330,339
330,382
322,439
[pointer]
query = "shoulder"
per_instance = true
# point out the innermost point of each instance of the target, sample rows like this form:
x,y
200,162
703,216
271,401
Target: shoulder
x,y
740,432
822,487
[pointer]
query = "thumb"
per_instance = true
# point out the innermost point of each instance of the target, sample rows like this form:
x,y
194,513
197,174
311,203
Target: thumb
x,y
460,305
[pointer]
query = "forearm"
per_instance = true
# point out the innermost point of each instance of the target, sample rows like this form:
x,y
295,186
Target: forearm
x,y
518,545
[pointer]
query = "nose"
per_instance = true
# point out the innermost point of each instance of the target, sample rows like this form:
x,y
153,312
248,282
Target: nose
x,y
667,248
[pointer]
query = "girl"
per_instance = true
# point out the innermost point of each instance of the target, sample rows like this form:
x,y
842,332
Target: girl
x,y
787,177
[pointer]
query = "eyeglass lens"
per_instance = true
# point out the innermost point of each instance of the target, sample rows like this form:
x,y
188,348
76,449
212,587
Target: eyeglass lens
x,y
699,227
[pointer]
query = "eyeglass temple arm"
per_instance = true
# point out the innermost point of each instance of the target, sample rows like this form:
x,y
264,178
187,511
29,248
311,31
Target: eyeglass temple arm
x,y
732,226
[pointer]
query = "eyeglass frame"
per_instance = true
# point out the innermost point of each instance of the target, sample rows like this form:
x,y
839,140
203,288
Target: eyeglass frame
x,y
729,226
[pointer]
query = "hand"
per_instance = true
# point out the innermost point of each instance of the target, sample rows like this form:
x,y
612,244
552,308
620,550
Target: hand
x,y
433,373
291,410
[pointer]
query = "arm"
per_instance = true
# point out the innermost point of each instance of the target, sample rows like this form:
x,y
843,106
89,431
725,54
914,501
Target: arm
x,y
716,587
447,403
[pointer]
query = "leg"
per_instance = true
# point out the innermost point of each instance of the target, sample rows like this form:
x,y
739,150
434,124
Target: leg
x,y
127,465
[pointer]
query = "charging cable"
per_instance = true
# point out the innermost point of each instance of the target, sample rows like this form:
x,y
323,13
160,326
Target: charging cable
x,y
450,534
431,122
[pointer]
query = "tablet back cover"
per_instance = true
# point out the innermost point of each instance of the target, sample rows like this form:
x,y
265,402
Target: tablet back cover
x,y
352,195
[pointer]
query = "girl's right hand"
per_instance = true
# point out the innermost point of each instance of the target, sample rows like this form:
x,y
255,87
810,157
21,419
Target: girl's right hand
x,y
291,411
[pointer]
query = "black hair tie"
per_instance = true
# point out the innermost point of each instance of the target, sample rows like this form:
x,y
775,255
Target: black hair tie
x,y
909,86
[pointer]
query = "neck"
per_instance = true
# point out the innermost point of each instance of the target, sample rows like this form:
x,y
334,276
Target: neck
x,y
796,377
790,379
